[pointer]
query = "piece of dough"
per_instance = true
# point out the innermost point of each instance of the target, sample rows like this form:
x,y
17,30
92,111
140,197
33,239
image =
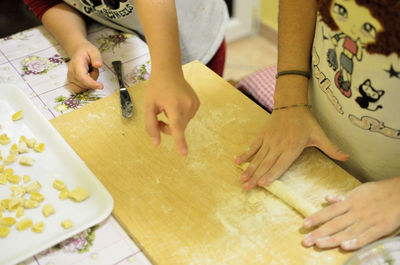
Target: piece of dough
x,y
289,196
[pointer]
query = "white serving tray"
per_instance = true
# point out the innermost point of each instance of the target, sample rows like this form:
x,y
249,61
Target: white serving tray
x,y
57,161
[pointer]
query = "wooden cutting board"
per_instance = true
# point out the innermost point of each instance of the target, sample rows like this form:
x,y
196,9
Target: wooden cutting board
x,y
193,210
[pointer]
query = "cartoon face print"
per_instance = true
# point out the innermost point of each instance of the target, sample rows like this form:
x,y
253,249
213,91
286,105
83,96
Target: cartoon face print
x,y
369,96
355,21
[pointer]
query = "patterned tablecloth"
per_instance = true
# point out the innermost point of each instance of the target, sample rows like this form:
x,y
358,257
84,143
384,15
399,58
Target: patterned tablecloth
x,y
36,63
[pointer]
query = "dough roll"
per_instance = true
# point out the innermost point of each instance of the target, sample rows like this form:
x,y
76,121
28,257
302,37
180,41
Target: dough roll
x,y
289,196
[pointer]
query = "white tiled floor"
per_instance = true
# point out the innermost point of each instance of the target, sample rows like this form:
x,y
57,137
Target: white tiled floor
x,y
247,55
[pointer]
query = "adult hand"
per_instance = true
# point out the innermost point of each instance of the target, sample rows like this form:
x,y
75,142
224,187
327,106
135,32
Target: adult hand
x,y
83,69
366,214
175,97
286,134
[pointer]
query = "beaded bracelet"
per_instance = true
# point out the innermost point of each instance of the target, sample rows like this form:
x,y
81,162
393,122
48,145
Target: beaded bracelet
x,y
293,106
292,72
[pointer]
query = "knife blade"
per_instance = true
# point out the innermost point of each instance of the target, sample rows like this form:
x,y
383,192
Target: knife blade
x,y
126,102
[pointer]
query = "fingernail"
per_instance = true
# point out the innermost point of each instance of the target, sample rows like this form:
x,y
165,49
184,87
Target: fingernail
x,y
322,242
349,244
155,140
246,186
307,223
244,177
262,182
308,241
184,151
330,197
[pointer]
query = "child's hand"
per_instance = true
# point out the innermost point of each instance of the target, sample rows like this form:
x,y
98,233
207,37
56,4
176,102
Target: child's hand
x,y
172,95
368,213
83,68
284,137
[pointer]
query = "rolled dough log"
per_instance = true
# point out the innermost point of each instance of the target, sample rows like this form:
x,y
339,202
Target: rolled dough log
x,y
289,196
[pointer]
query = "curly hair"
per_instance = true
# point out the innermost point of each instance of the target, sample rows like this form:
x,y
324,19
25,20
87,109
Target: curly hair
x,y
385,11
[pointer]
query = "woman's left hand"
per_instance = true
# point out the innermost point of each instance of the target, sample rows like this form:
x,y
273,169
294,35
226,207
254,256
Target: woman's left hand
x,y
366,214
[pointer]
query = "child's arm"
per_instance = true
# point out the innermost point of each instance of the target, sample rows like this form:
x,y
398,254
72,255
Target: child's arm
x,y
69,28
168,91
366,214
288,131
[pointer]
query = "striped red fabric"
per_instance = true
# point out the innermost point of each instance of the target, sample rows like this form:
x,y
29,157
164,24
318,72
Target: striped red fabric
x,y
39,7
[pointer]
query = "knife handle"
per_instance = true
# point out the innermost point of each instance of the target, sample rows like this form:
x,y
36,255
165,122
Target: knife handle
x,y
118,69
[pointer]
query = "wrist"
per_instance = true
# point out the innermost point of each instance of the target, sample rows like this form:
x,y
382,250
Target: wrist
x,y
291,90
166,74
75,44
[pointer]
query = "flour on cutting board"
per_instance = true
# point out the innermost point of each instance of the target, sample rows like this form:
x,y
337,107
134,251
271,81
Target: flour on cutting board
x,y
248,228
204,134
256,219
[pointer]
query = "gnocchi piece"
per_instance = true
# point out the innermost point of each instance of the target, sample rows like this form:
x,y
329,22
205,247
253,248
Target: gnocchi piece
x,y
22,139
17,115
24,224
17,191
26,178
14,149
63,194
4,203
30,142
4,231
4,139
79,194
26,161
39,147
10,159
8,171
14,204
7,221
3,179
38,227
1,167
67,223
34,186
1,158
14,179
30,204
58,185
48,210
23,148
36,196
20,211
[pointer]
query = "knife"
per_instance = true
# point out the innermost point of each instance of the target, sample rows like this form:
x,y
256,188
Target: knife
x,y
126,102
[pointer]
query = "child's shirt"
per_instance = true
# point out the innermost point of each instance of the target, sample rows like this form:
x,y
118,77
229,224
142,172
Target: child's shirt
x,y
355,85
202,23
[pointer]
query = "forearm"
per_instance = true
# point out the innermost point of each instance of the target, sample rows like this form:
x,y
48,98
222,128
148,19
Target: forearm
x,y
66,25
161,30
296,31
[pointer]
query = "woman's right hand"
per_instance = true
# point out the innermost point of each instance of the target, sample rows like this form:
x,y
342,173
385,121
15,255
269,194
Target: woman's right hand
x,y
280,143
83,69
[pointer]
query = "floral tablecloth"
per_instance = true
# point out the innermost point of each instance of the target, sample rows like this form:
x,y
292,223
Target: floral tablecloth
x,y
37,64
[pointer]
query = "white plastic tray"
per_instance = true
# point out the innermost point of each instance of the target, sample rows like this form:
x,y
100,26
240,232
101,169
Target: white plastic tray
x,y
384,251
57,161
